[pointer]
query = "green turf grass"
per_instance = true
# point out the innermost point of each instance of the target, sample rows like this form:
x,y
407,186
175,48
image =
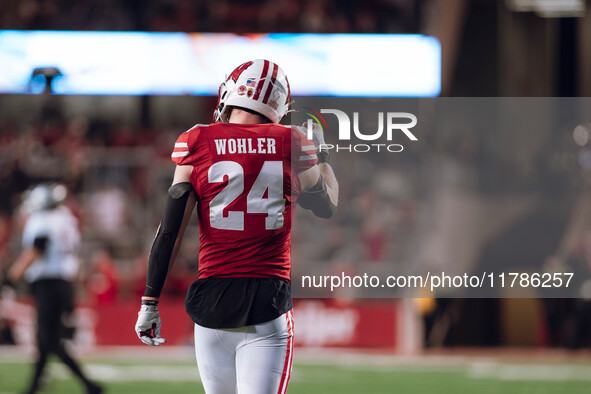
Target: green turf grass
x,y
306,378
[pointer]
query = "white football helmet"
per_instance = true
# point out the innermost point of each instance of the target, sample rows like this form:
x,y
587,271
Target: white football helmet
x,y
44,196
259,85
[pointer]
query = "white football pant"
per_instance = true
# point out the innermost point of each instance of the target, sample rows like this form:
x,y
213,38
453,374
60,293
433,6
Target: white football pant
x,y
254,359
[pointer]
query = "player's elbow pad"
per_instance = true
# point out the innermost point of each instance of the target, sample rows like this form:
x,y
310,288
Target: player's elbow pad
x,y
161,252
317,200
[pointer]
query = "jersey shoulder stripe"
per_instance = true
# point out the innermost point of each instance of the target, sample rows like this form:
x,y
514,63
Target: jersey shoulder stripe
x,y
303,149
185,145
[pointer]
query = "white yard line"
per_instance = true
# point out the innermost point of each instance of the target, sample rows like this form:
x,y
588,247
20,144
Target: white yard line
x,y
132,373
529,372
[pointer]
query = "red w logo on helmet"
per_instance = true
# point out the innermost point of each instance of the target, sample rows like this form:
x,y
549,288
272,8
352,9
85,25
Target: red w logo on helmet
x,y
236,73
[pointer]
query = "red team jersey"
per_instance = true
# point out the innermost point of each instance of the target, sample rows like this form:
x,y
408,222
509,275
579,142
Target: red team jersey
x,y
245,179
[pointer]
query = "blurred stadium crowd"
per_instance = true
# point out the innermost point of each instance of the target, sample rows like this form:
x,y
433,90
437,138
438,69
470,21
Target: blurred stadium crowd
x,y
105,167
285,16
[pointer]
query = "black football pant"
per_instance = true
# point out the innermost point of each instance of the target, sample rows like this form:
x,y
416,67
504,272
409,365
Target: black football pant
x,y
55,301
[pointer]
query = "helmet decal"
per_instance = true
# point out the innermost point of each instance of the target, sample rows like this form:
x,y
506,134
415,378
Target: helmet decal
x,y
239,70
288,92
271,84
257,92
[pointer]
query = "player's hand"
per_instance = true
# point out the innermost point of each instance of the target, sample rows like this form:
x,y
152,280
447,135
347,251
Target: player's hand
x,y
317,135
148,325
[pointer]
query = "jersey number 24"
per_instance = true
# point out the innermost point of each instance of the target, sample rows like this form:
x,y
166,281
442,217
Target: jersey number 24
x,y
270,180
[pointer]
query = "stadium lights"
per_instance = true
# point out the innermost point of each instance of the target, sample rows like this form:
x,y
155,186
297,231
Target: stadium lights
x,y
43,80
549,8
141,63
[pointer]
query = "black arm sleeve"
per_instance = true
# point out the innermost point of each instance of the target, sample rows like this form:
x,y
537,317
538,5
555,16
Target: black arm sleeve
x,y
317,200
172,218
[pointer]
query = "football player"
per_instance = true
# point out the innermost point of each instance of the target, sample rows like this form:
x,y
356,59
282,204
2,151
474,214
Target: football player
x,y
246,172
49,263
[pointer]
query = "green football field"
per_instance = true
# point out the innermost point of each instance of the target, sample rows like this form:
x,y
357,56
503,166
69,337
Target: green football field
x,y
333,374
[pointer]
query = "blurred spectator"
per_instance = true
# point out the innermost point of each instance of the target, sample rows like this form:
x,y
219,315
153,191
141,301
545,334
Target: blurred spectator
x,y
137,279
108,211
6,329
73,145
375,240
5,238
103,282
569,322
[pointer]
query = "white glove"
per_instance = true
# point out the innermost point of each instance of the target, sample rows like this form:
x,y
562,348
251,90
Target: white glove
x,y
148,325
317,133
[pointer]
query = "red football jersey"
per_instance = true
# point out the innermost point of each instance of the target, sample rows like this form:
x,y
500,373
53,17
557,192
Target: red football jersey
x,y
245,178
